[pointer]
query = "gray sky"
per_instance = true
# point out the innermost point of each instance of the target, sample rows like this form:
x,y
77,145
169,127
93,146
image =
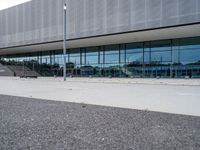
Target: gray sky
x,y
9,3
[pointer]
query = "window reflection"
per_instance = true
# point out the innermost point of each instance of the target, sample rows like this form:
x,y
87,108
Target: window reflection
x,y
165,58
190,56
92,55
112,54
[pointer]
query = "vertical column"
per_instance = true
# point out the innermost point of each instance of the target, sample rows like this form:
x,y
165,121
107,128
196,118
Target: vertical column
x,y
103,54
40,57
150,68
171,64
119,53
81,56
119,65
68,54
85,56
143,65
50,55
53,57
99,55
125,59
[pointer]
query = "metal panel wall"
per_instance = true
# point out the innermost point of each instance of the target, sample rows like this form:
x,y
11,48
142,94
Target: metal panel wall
x,y
41,21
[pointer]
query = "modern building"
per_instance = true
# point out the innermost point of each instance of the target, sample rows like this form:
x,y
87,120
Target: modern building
x,y
118,38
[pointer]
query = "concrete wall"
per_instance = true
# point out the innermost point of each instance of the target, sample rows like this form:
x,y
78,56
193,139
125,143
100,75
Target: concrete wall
x,y
42,20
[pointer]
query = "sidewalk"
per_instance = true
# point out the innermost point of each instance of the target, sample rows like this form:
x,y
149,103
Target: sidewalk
x,y
180,96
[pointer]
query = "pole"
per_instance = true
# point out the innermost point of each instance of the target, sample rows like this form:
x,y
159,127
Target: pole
x,y
64,41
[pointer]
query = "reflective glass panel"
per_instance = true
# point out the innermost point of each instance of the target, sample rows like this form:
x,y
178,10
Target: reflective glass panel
x,y
112,54
92,55
161,45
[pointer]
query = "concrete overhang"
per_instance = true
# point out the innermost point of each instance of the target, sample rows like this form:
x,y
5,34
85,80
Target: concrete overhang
x,y
138,36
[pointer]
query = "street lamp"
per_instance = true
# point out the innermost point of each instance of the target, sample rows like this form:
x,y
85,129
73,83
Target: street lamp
x,y
64,41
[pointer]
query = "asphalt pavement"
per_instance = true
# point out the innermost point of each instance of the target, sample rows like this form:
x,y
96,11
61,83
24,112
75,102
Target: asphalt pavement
x,y
34,124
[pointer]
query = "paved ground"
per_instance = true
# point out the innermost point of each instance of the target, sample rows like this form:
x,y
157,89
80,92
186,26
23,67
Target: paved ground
x,y
180,96
49,125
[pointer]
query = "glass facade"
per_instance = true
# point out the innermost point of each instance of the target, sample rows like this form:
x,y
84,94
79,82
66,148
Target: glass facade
x,y
175,58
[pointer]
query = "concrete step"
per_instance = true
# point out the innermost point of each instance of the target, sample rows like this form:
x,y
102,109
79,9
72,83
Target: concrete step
x,y
21,71
5,71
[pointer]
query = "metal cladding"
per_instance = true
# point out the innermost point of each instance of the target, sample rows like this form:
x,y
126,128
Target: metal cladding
x,y
41,21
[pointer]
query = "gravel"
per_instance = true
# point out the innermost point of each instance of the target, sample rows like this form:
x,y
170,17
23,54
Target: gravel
x,y
35,124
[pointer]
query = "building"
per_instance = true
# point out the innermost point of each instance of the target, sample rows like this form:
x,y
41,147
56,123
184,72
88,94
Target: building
x,y
118,38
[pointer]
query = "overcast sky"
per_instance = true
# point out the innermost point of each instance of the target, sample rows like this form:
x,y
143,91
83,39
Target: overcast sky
x,y
9,3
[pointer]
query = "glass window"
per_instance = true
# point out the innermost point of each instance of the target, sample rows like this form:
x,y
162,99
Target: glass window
x,y
176,56
122,53
189,43
134,57
175,44
83,56
161,45
134,48
146,57
190,56
58,52
33,57
112,54
58,57
161,56
147,46
126,59
111,70
58,60
74,56
101,55
92,55
46,57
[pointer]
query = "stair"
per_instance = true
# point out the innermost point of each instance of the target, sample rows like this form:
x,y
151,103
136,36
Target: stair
x,y
5,71
126,71
22,71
